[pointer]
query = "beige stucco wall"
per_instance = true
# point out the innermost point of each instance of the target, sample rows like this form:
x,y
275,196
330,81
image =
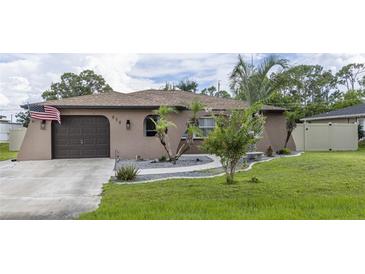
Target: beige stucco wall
x,y
37,143
274,135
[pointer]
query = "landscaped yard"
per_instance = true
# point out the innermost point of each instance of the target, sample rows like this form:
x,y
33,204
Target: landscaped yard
x,y
5,154
316,185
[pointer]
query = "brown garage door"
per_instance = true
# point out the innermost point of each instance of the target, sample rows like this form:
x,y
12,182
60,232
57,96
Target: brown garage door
x,y
81,137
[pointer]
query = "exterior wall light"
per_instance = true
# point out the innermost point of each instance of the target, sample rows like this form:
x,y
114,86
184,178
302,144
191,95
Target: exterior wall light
x,y
128,124
43,124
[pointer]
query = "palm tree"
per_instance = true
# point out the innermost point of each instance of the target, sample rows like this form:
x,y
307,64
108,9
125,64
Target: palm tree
x,y
192,129
253,83
162,124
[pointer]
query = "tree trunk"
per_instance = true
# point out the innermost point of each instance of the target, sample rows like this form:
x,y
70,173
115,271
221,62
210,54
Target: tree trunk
x,y
288,134
229,178
162,141
230,171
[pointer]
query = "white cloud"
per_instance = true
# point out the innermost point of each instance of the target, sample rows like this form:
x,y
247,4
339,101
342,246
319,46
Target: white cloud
x,y
3,100
115,68
329,61
24,77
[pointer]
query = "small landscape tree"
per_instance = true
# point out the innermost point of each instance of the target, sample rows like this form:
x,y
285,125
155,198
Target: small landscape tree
x,y
291,123
192,129
232,136
163,123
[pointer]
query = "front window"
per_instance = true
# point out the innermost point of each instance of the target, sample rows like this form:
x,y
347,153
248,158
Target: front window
x,y
206,124
149,125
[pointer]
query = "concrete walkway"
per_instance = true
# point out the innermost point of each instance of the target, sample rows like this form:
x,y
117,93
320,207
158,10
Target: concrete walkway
x,y
215,164
54,189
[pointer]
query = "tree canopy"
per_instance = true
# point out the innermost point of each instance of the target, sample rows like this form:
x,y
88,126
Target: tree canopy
x,y
212,91
310,89
71,85
188,85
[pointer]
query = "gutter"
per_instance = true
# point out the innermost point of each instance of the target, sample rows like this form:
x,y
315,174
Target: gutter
x,y
333,117
102,107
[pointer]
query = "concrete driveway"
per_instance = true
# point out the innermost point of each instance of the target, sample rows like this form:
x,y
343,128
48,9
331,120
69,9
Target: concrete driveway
x,y
55,189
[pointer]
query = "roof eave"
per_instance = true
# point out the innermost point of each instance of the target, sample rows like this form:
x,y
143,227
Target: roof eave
x,y
104,107
333,117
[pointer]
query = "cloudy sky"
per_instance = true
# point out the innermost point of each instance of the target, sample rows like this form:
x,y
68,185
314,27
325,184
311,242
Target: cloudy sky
x,y
23,77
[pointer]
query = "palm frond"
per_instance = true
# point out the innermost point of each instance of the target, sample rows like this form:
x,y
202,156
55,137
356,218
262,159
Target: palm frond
x,y
163,111
196,106
270,62
253,84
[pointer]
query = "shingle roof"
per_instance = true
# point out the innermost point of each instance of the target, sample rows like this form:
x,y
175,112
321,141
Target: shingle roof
x,y
353,111
149,99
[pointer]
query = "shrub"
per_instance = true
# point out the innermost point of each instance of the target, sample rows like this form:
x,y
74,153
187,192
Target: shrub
x,y
244,164
254,180
284,151
269,152
162,158
232,137
360,131
127,173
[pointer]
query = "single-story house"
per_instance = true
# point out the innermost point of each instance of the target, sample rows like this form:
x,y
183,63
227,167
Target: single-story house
x,y
353,114
114,123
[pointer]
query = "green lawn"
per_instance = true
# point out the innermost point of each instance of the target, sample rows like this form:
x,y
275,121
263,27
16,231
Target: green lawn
x,y
323,185
5,154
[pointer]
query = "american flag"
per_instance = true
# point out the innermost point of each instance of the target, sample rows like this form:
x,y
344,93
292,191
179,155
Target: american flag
x,y
44,113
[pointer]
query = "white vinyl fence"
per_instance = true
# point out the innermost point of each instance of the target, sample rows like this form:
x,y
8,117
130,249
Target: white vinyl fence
x,y
326,136
4,131
16,137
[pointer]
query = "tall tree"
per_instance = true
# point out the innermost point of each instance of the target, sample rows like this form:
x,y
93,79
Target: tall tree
x,y
309,89
211,91
71,85
362,82
168,86
305,83
223,94
253,83
350,98
188,85
349,75
23,118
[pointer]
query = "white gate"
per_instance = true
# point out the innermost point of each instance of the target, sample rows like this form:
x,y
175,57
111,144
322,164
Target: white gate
x,y
326,136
